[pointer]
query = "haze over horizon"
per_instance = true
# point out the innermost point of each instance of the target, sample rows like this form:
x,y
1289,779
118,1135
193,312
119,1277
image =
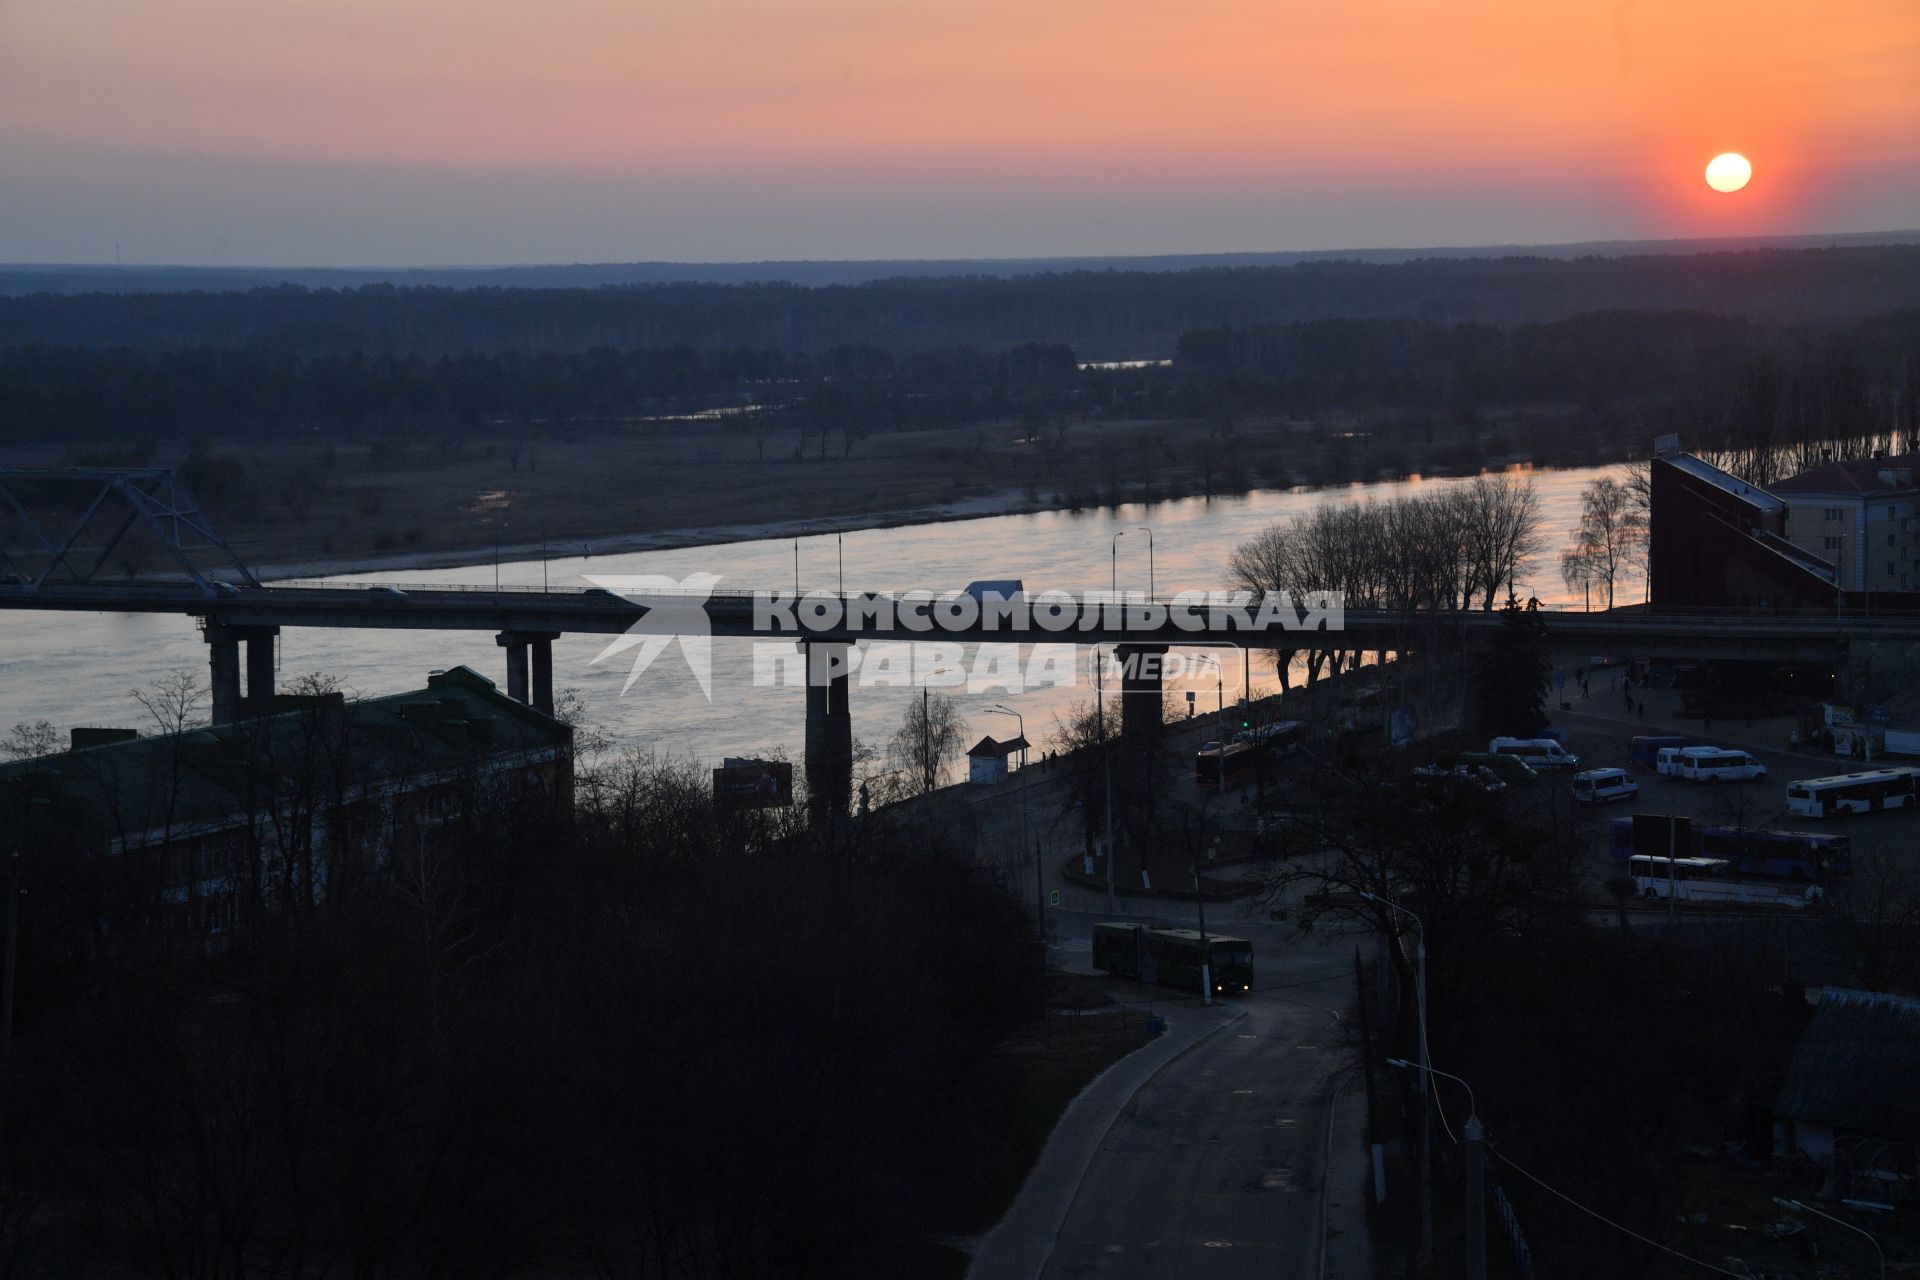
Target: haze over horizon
x,y
349,132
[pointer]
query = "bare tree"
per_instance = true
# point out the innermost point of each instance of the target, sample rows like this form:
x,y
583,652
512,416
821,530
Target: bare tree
x,y
27,741
1609,536
930,738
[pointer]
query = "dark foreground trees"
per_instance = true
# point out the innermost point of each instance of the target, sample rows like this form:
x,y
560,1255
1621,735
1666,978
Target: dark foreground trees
x,y
1599,1057
662,1041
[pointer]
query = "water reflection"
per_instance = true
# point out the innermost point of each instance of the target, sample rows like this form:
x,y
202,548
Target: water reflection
x,y
77,669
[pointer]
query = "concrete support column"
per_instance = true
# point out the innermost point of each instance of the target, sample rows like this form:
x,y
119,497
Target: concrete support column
x,y
543,674
829,751
533,686
260,642
1141,668
223,657
515,643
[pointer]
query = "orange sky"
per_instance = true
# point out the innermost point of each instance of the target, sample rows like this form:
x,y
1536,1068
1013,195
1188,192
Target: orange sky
x,y
1036,126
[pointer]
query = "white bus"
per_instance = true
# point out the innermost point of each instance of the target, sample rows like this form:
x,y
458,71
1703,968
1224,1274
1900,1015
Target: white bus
x,y
1712,880
1715,764
1860,792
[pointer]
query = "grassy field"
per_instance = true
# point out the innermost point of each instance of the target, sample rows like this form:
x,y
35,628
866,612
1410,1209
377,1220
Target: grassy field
x,y
438,496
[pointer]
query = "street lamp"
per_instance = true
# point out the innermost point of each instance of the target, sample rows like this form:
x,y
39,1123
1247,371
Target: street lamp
x,y
1426,1065
1039,873
1474,1141
1794,1206
1106,762
1206,948
1113,552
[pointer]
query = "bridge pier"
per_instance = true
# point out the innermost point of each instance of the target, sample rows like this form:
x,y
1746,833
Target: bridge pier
x,y
829,752
1141,667
223,661
529,682
260,643
223,669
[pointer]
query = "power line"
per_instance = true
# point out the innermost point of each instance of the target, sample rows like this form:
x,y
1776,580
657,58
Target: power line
x,y
1601,1217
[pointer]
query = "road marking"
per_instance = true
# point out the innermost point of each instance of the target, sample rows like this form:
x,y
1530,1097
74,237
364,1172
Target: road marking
x,y
1278,1179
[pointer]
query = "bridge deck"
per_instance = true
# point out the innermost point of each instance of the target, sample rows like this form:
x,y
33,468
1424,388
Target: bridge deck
x,y
1704,633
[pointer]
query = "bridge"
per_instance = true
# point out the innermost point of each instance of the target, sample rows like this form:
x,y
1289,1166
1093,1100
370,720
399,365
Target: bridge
x,y
525,622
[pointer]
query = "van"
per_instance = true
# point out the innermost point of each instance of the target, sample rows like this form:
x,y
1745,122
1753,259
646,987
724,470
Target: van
x,y
1597,786
1666,761
1538,752
1713,764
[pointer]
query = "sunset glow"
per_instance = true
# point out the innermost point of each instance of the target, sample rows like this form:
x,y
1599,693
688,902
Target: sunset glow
x,y
750,128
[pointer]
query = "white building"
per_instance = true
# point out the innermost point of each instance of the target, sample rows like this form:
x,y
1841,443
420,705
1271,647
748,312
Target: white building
x,y
1859,515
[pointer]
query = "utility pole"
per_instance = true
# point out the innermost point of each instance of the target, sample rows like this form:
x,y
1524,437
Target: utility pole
x,y
1426,1069
1106,763
1476,1144
6,979
1206,950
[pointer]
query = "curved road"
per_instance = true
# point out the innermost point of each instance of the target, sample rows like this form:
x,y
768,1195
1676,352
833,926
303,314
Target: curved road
x,y
1216,1165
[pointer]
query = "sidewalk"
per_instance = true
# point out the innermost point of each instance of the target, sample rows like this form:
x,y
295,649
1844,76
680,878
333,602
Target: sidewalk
x,y
1771,733
1346,1247
1020,1245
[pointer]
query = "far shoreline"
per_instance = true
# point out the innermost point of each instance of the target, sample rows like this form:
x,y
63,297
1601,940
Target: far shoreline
x,y
1004,503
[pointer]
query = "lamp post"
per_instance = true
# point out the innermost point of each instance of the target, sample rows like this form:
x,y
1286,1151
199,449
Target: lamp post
x,y
1113,553
1475,1142
1206,948
1106,763
1426,1123
1039,872
1794,1206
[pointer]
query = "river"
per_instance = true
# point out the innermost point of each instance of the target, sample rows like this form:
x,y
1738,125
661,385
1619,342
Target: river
x,y
81,669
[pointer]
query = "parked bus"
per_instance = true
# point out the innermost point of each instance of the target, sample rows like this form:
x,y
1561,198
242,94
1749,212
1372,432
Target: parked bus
x,y
1240,760
1712,880
1782,855
1785,855
1860,792
1171,957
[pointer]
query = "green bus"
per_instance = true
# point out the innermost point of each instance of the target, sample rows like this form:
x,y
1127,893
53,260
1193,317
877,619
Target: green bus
x,y
1171,957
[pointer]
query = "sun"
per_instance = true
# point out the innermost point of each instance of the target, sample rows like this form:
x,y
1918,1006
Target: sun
x,y
1728,171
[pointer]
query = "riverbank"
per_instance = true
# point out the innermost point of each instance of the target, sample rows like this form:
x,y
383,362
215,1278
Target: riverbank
x,y
657,540
1007,502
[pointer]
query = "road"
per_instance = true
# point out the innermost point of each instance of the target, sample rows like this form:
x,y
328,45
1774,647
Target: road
x,y
1216,1167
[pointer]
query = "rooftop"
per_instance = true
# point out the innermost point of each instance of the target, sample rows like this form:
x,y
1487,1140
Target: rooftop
x,y
1857,476
1856,1066
1725,481
206,774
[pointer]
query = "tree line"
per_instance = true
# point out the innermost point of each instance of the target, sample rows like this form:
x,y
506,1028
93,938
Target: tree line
x,y
1768,396
1120,313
